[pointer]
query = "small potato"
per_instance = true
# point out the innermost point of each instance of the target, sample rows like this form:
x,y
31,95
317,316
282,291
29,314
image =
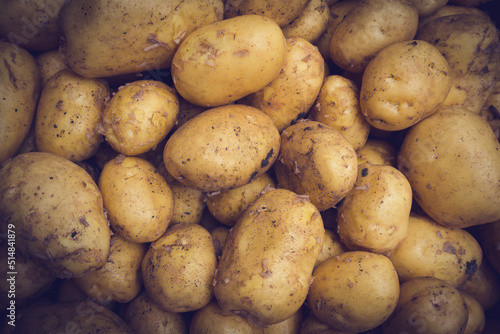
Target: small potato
x,y
403,84
317,161
337,105
312,325
332,246
428,7
483,285
290,325
377,152
476,319
219,236
68,115
228,147
222,62
430,249
50,62
310,23
354,291
189,204
139,116
451,10
280,12
428,304
288,97
139,201
179,267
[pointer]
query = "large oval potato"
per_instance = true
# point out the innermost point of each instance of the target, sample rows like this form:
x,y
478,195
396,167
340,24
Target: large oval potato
x,y
221,62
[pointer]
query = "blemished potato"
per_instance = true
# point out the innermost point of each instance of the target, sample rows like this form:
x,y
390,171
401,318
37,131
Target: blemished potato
x,y
68,115
50,62
468,42
288,97
377,152
374,216
450,254
476,319
483,285
189,204
139,116
120,278
143,316
317,161
428,7
19,91
137,198
403,84
337,105
368,28
354,292
280,12
428,304
275,243
332,246
108,38
57,212
222,62
228,147
467,194
228,206
311,23
179,267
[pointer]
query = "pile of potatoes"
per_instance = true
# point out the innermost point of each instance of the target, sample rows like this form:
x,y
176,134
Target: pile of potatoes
x,y
225,166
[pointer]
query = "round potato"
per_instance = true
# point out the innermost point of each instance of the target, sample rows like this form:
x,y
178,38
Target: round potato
x,y
403,84
139,116
139,201
57,213
221,62
310,23
377,152
68,115
50,62
228,147
281,12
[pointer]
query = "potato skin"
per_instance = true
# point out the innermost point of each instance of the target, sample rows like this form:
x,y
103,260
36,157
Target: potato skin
x,y
280,12
310,23
268,258
377,152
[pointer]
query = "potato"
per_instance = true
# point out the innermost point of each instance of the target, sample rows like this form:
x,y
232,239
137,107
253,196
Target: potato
x,y
291,94
368,28
354,291
189,204
428,304
310,23
451,10
221,62
120,278
68,114
139,201
179,267
108,38
337,105
50,62
483,285
280,12
317,161
139,116
57,213
403,84
428,7
332,246
374,216
489,236
290,325
266,265
476,319
377,152
219,236
450,254
19,91
228,147
32,25
466,194
468,42
143,316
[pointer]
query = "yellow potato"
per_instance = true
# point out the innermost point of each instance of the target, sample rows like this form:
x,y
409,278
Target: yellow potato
x,y
50,62
310,23
451,10
189,204
332,246
428,7
377,152
290,325
219,236
476,319
483,285
280,12
222,62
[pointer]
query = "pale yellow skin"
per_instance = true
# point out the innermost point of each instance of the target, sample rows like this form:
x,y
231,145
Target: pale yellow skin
x,y
311,23
139,201
228,147
178,269
281,12
476,320
467,41
483,285
108,38
189,204
377,152
20,87
468,195
354,291
318,161
50,62
428,304
430,249
139,116
370,27
403,84
337,105
332,246
228,206
451,10
68,115
290,325
428,7
57,211
120,278
266,265
143,316
374,216
291,94
227,60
